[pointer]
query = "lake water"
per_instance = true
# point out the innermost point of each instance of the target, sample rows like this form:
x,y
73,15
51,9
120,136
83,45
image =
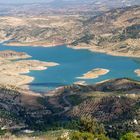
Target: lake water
x,y
74,63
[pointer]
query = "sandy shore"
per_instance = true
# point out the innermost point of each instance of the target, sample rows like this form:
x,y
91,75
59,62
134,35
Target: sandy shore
x,y
91,47
95,73
34,44
137,71
106,50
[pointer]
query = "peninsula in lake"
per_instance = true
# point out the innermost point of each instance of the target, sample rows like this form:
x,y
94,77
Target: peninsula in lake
x,y
12,68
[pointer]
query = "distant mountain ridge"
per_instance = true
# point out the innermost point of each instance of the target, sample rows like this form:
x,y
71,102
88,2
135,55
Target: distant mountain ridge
x,y
65,6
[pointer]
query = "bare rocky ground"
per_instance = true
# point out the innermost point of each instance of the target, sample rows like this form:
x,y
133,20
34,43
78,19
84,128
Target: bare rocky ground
x,y
114,32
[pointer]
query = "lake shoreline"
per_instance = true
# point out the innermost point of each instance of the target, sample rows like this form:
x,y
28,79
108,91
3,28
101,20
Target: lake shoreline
x,y
92,48
96,50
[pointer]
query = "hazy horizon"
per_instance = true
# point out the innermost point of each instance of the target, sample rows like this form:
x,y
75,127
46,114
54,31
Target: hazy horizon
x,y
21,1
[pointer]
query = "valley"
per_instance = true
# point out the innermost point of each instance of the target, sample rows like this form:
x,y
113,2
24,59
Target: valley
x,y
70,70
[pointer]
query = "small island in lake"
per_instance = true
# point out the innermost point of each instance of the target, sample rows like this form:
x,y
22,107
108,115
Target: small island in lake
x,y
137,71
95,73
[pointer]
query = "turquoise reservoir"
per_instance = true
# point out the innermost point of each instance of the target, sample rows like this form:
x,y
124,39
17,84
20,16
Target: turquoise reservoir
x,y
74,63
